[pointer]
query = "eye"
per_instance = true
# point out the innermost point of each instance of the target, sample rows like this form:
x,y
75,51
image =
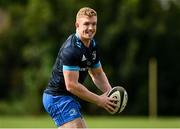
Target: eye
x,y
86,23
94,23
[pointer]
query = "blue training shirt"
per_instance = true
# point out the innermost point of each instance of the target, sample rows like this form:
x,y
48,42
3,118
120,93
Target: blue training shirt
x,y
72,56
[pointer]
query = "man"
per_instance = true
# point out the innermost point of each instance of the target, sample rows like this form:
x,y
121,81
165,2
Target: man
x,y
77,57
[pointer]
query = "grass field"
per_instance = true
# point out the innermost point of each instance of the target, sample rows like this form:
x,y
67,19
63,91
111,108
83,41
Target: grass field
x,y
92,122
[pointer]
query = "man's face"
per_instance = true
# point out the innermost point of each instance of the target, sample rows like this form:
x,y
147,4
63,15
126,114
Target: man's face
x,y
86,27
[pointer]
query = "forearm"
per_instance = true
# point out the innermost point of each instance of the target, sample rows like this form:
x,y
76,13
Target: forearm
x,y
83,93
101,81
103,100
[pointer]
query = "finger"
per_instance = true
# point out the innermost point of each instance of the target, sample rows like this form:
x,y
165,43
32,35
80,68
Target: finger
x,y
107,109
113,99
111,107
113,104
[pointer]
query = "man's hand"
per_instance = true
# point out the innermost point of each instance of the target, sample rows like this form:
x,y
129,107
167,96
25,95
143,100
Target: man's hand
x,y
107,103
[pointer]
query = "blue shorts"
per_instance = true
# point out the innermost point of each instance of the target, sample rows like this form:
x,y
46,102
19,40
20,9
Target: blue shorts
x,y
62,108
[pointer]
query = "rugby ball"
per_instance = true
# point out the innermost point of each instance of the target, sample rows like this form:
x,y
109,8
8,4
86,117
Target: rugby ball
x,y
120,94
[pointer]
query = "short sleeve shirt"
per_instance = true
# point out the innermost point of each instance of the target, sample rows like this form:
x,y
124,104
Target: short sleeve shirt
x,y
72,56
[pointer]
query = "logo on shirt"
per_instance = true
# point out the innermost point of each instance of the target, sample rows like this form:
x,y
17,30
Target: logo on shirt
x,y
94,55
83,58
83,69
73,112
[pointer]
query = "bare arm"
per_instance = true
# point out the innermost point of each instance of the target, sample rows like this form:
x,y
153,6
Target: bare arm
x,y
99,78
73,86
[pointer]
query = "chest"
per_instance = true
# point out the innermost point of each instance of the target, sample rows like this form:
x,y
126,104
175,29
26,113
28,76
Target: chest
x,y
88,57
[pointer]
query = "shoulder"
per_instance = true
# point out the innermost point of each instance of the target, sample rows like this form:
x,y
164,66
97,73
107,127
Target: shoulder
x,y
72,43
71,49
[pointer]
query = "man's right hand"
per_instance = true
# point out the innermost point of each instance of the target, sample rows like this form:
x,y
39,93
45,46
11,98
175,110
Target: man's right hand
x,y
107,103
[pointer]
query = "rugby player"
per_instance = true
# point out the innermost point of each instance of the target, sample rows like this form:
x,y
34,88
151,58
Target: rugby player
x,y
77,57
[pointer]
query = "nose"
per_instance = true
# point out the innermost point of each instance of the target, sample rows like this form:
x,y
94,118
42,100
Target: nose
x,y
90,27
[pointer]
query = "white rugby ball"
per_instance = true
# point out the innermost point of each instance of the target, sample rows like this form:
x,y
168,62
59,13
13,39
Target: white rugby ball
x,y
121,94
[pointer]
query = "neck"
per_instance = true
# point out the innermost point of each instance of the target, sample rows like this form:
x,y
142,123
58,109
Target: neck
x,y
86,42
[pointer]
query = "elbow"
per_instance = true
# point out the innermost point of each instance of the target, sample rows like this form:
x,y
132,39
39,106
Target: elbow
x,y
70,86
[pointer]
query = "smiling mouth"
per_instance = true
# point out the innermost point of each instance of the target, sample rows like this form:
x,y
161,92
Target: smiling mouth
x,y
90,33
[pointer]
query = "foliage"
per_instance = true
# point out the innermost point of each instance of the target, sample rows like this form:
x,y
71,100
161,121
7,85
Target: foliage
x,y
130,31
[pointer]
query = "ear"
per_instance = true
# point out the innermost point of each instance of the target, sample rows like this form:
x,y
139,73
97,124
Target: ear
x,y
77,24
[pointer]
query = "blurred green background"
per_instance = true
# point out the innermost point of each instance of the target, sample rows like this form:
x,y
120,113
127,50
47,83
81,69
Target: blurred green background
x,y
129,34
